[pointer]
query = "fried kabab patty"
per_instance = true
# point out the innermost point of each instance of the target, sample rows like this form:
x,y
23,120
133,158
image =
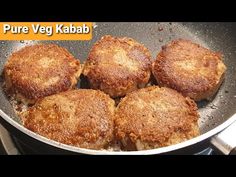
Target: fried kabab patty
x,y
187,67
40,70
154,117
82,118
118,66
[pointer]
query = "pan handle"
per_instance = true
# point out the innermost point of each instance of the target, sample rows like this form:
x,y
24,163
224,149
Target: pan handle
x,y
225,141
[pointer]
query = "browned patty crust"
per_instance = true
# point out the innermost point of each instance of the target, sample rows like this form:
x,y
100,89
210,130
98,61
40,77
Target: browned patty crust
x,y
82,118
187,67
154,117
40,70
118,65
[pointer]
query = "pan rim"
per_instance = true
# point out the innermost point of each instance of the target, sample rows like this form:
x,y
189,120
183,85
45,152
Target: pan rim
x,y
161,150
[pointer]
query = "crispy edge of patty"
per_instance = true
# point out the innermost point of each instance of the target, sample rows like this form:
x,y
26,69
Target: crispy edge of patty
x,y
68,117
28,91
109,81
198,91
130,125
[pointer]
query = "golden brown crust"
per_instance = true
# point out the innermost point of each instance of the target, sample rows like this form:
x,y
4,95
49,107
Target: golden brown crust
x,y
40,70
187,67
118,65
82,118
153,117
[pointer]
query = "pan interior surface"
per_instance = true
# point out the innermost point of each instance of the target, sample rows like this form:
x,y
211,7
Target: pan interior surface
x,y
216,36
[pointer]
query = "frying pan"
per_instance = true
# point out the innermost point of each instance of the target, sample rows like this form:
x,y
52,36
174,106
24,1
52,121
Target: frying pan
x,y
217,116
